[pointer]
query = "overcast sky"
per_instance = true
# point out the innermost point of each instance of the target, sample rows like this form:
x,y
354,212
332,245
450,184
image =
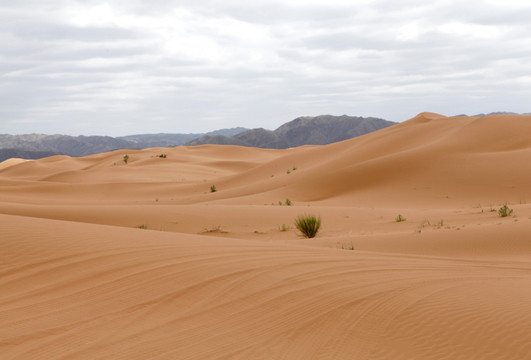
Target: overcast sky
x,y
132,66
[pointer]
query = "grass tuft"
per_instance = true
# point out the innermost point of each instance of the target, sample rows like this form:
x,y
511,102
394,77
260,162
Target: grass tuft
x,y
400,218
214,229
505,211
308,225
284,227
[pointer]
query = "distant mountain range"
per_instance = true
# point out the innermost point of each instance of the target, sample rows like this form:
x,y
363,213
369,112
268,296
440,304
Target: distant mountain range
x,y
494,113
23,154
165,140
307,130
36,146
318,130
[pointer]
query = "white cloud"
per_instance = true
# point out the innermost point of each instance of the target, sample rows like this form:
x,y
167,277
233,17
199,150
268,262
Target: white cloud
x,y
210,64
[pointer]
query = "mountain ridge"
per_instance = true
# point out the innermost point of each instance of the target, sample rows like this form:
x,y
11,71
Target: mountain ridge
x,y
304,130
35,146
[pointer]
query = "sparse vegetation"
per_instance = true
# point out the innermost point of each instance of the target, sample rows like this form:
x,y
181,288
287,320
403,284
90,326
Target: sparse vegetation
x,y
400,218
126,158
423,224
288,202
213,188
143,227
214,229
350,247
308,225
505,211
163,156
284,227
288,171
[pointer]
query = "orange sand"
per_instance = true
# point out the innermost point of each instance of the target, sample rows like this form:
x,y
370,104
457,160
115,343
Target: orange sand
x,y
214,277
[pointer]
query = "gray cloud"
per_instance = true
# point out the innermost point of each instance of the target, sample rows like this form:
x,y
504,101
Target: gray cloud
x,y
115,68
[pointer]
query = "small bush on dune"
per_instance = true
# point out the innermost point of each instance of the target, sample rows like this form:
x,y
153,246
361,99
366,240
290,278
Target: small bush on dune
x,y
284,227
400,218
213,188
505,211
308,225
126,158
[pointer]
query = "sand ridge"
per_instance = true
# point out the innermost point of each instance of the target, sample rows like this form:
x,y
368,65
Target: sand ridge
x,y
103,259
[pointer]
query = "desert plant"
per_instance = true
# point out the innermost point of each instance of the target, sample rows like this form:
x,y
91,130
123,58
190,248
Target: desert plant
x,y
284,227
288,202
350,247
213,188
400,218
143,227
308,225
163,156
505,211
126,158
214,229
423,224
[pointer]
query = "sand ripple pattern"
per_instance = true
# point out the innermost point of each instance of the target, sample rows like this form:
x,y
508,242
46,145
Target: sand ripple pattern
x,y
67,291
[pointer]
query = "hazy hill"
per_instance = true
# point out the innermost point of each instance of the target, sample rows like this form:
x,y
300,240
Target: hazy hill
x,y
318,130
62,144
162,139
24,154
35,146
494,113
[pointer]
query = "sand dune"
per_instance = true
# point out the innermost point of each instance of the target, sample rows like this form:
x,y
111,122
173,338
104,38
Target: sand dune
x,y
211,275
10,162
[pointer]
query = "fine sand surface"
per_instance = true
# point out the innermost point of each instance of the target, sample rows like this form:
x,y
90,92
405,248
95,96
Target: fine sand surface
x,y
105,260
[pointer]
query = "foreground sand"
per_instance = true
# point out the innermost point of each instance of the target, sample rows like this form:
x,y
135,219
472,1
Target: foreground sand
x,y
100,259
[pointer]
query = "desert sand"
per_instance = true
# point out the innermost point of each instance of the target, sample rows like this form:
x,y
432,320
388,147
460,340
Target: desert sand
x,y
106,260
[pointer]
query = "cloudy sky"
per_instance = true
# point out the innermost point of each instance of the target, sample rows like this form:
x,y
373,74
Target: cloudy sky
x,y
132,66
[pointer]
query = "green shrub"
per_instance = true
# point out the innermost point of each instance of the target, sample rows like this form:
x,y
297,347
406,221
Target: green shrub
x,y
308,225
288,202
213,188
284,227
400,218
126,158
505,211
163,156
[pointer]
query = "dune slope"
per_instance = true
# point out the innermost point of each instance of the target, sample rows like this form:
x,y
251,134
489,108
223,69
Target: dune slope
x,y
91,291
140,260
